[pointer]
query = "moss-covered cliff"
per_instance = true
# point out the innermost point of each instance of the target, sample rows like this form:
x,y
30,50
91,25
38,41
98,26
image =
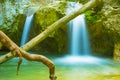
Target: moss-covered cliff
x,y
104,27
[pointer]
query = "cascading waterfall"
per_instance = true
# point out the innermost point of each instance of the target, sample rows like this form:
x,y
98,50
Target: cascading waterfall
x,y
79,42
28,23
26,30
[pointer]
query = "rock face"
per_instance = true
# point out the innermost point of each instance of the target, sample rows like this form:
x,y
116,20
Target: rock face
x,y
112,25
12,17
106,32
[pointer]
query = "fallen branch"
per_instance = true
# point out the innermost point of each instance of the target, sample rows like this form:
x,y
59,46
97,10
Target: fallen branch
x,y
44,60
6,41
18,52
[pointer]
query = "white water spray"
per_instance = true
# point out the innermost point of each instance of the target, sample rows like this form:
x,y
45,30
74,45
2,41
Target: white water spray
x,y
80,51
79,43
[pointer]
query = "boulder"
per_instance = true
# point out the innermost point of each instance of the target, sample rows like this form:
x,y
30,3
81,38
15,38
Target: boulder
x,y
45,16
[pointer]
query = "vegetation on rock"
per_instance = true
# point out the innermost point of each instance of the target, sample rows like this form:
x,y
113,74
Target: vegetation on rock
x,y
44,17
104,31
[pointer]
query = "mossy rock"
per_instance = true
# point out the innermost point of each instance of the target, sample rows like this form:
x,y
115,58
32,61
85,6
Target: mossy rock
x,y
104,31
44,17
47,15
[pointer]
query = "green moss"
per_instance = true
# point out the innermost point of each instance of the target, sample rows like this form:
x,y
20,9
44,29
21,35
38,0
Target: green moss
x,y
44,17
92,18
47,15
60,6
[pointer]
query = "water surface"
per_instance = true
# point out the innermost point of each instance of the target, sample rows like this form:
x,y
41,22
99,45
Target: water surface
x,y
107,70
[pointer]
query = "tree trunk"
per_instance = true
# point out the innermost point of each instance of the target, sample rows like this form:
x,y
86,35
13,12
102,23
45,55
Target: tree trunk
x,y
51,28
116,54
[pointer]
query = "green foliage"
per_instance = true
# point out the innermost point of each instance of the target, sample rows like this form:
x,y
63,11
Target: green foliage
x,y
92,17
72,0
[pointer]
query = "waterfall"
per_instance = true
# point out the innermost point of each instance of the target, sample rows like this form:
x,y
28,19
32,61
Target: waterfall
x,y
79,51
79,43
26,30
28,23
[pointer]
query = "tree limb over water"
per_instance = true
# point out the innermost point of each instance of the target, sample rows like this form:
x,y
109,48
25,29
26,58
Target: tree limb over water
x,y
18,52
